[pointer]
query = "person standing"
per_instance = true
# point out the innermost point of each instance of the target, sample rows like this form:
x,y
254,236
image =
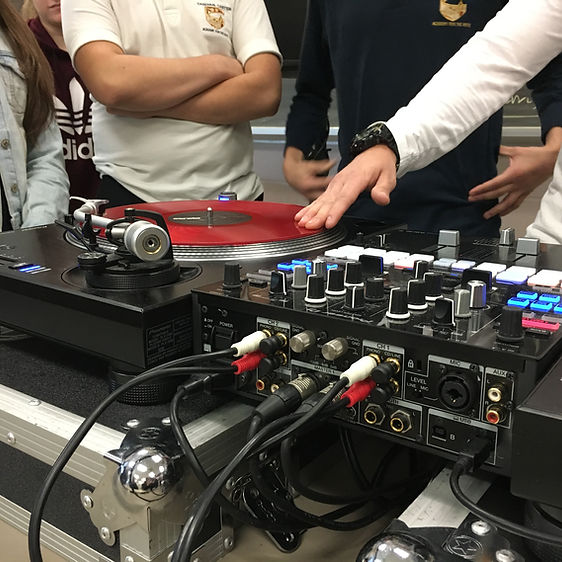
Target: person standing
x,y
175,85
34,184
73,110
377,56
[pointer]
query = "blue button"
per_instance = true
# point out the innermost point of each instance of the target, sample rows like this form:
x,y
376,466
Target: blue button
x,y
521,303
558,309
547,297
285,266
541,306
528,295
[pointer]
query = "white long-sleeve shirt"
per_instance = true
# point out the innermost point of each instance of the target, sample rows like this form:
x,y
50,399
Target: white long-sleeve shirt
x,y
475,83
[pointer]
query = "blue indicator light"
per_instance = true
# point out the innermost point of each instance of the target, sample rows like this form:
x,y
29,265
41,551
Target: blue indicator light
x,y
528,295
558,309
521,303
541,306
554,299
30,268
332,266
302,262
285,266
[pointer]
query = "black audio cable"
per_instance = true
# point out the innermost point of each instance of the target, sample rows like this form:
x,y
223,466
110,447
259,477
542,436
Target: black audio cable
x,y
207,383
73,443
471,459
352,458
265,438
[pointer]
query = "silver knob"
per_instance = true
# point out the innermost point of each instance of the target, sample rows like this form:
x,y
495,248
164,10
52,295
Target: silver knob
x,y
301,342
334,349
477,294
507,236
462,303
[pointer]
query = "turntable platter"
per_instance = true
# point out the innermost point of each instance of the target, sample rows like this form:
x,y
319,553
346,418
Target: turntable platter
x,y
225,230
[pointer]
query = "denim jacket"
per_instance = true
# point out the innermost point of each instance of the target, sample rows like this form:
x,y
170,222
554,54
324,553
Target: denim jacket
x,y
35,180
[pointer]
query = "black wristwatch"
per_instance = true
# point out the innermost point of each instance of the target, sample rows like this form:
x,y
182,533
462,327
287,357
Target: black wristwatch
x,y
375,133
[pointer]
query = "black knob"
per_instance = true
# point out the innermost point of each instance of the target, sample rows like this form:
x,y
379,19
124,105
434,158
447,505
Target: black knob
x,y
353,273
373,266
319,267
382,393
315,294
355,298
416,294
511,327
421,267
374,289
278,284
433,285
231,276
444,312
335,286
398,305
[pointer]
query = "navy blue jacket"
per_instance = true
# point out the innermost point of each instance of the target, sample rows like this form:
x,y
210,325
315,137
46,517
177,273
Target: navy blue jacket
x,y
378,54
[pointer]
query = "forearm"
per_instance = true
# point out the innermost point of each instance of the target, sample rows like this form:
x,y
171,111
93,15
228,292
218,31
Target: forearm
x,y
252,95
136,83
477,81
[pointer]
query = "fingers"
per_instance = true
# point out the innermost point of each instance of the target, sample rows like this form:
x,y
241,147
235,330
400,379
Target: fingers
x,y
504,207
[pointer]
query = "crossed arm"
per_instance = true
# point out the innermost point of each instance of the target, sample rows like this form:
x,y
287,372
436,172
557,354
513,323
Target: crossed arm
x,y
212,89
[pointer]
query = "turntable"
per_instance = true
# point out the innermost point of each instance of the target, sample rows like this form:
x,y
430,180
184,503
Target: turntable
x,y
136,325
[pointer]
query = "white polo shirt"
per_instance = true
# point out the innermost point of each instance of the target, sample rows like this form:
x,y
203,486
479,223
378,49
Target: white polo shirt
x,y
166,159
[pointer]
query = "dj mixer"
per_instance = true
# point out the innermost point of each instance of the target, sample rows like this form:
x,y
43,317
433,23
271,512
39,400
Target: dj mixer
x,y
469,326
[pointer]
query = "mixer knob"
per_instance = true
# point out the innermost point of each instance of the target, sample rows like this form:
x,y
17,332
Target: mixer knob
x,y
335,287
334,349
231,278
278,284
315,294
302,341
299,277
373,266
511,327
398,305
462,303
421,267
320,268
353,273
374,289
355,298
433,285
444,312
477,294
416,294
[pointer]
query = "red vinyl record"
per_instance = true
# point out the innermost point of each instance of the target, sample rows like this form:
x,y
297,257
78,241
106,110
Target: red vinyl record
x,y
210,230
221,223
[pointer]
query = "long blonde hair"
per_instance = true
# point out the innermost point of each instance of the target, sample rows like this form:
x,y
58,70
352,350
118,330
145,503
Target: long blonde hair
x,y
28,10
39,108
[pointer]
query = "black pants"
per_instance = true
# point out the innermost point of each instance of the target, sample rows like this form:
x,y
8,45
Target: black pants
x,y
118,196
6,219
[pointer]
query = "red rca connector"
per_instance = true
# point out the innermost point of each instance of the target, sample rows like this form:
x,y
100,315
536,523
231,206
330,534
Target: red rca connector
x,y
358,391
248,362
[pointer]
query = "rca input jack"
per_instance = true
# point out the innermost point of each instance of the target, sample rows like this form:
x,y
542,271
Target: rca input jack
x,y
261,384
374,414
496,393
275,386
400,421
395,363
395,385
495,414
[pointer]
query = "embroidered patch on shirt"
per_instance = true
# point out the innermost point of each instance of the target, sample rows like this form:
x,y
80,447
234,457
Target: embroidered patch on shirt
x,y
452,11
